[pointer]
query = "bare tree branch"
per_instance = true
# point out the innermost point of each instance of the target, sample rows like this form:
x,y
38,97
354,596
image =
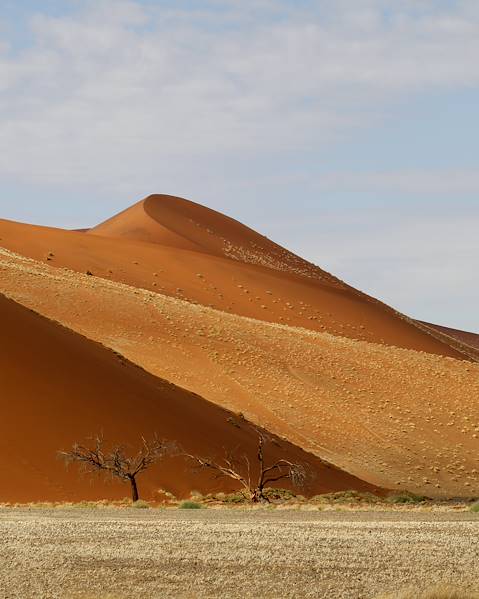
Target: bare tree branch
x,y
117,463
232,467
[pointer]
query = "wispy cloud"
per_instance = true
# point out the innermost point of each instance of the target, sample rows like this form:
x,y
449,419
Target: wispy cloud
x,y
123,91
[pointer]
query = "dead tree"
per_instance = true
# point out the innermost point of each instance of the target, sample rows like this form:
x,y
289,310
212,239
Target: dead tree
x,y
239,469
116,462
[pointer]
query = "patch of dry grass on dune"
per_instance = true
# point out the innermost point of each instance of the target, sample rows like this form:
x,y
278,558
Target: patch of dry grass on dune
x,y
437,592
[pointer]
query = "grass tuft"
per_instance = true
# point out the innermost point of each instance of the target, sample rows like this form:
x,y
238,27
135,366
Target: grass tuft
x,y
406,497
190,505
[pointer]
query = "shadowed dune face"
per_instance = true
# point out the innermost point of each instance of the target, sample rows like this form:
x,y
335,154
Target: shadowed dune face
x,y
175,247
58,388
397,418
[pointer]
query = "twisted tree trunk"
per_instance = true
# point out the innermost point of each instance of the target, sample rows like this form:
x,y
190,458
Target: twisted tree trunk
x,y
134,489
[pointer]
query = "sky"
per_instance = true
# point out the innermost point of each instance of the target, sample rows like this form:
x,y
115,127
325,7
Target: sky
x,y
346,130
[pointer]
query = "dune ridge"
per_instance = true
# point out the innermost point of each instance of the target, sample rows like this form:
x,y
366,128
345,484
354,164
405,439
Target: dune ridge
x,y
464,337
177,248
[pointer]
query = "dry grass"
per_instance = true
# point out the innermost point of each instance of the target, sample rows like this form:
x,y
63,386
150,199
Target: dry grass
x,y
117,554
280,499
436,592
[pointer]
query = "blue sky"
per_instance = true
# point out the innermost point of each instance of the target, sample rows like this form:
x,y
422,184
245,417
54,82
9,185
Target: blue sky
x,y
347,130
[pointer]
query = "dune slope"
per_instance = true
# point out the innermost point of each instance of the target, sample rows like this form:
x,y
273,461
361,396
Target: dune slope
x,y
397,418
58,388
464,337
183,250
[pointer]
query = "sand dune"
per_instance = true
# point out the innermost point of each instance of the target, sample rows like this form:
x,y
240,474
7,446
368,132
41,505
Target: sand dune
x,y
395,417
471,339
58,387
236,323
178,248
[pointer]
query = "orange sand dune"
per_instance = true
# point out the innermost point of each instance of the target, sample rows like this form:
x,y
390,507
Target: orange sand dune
x,y
471,339
184,250
397,418
58,387
180,223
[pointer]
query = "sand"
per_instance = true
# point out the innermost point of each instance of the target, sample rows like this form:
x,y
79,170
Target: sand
x,y
397,418
221,318
471,339
177,248
59,388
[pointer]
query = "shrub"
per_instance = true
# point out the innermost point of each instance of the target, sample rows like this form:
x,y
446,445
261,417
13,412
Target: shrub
x,y
346,497
274,494
235,498
475,507
190,505
406,497
140,504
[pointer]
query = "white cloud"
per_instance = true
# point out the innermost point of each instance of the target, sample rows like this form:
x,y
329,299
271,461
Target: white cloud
x,y
118,93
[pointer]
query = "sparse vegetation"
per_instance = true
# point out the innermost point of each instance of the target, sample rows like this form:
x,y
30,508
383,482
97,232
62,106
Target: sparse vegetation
x,y
190,505
475,507
347,497
406,497
213,553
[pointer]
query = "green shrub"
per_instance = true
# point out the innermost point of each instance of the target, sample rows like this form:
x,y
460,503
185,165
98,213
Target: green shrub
x,y
190,505
406,497
235,498
475,507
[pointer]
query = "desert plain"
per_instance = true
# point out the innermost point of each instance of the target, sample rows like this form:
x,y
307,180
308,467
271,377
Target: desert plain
x,y
76,553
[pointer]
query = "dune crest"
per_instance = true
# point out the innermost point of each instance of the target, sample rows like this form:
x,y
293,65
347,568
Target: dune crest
x,y
175,247
180,223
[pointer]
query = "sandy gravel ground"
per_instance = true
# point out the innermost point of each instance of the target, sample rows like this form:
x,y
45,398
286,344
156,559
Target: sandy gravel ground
x,y
107,553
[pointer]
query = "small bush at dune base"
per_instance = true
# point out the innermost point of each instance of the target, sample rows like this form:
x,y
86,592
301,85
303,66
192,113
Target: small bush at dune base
x,y
406,497
274,494
140,504
235,498
346,497
190,505
475,507
438,592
